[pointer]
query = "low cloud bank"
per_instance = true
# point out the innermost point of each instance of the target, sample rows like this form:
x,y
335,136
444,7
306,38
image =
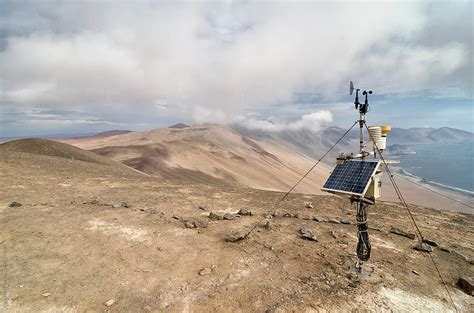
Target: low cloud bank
x,y
313,121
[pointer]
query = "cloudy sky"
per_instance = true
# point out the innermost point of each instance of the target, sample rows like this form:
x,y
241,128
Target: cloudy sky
x,y
86,66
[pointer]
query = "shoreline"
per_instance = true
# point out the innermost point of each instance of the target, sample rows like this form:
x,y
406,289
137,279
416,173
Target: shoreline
x,y
428,194
423,181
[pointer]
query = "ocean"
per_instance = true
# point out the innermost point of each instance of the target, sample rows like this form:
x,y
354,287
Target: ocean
x,y
449,165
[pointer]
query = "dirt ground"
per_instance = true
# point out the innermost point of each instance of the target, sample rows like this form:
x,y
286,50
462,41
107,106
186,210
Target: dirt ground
x,y
68,249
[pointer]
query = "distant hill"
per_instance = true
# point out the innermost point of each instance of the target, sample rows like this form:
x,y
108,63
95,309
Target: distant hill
x,y
304,141
46,147
428,135
212,154
179,126
107,133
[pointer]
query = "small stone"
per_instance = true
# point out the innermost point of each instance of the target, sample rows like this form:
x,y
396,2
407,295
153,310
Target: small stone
x,y
289,215
152,211
333,221
268,225
398,231
333,234
278,213
202,207
214,217
308,205
228,216
345,222
415,272
15,204
176,217
316,219
466,283
430,242
109,303
267,216
125,205
46,294
116,205
423,247
234,236
445,249
306,233
205,271
244,212
201,223
189,224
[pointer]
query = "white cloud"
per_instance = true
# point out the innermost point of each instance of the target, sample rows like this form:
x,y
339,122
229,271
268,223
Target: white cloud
x,y
209,62
313,121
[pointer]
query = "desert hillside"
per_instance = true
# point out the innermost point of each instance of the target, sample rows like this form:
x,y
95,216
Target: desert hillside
x,y
88,236
210,154
236,156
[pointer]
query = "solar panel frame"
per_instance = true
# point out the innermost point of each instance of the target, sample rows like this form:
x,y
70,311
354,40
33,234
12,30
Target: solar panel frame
x,y
352,177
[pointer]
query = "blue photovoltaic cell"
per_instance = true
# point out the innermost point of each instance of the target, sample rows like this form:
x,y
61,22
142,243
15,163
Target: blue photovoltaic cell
x,y
351,177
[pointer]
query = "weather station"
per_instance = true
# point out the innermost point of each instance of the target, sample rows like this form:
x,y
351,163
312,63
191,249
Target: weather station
x,y
358,175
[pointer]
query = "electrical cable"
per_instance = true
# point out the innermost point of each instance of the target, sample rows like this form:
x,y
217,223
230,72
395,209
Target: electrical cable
x,y
400,196
299,181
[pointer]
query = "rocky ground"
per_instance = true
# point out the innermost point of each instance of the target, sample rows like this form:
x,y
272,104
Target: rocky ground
x,y
90,237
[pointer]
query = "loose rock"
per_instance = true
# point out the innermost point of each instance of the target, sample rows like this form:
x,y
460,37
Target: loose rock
x,y
125,205
214,217
430,242
109,303
415,272
201,223
46,294
189,224
308,205
15,204
398,231
423,247
116,205
202,207
228,216
268,225
152,211
345,222
244,212
234,236
445,249
205,271
467,284
333,221
306,233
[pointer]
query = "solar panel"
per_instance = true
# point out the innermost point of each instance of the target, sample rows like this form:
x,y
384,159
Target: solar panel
x,y
351,177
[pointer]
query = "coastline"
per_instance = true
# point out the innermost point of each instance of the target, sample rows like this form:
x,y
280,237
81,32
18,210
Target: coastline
x,y
419,191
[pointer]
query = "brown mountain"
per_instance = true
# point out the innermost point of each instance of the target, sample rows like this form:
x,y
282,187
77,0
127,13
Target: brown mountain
x,y
211,154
